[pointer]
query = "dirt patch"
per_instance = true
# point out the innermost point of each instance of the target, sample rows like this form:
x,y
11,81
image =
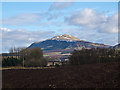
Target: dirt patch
x,y
85,76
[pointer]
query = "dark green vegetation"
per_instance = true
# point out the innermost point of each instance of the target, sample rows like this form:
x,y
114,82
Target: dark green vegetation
x,y
7,62
98,55
29,57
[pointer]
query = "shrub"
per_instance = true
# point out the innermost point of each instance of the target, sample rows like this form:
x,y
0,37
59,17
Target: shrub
x,y
10,62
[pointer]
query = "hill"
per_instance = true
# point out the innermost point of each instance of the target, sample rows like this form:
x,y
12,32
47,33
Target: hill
x,y
116,46
65,42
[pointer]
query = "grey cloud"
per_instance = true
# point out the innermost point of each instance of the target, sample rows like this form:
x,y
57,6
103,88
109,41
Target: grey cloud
x,y
87,17
111,25
91,19
20,38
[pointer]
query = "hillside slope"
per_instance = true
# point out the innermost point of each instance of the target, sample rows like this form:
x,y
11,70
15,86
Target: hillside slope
x,y
116,46
65,42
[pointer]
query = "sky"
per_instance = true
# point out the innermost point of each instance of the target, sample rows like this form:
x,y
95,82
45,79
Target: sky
x,y
26,22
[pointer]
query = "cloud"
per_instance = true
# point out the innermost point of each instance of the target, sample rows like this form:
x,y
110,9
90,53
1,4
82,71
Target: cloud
x,y
92,35
111,25
60,5
31,19
5,29
23,19
91,19
87,17
22,38
54,16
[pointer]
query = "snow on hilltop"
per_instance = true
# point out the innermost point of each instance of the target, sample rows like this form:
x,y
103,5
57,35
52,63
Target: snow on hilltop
x,y
65,37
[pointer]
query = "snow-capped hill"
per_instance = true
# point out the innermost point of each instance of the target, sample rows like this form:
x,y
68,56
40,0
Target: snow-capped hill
x,y
65,42
117,46
65,37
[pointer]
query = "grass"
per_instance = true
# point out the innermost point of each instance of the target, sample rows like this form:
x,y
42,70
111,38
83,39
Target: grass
x,y
5,68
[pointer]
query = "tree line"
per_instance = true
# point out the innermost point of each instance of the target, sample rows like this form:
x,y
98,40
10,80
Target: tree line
x,y
26,57
94,55
33,57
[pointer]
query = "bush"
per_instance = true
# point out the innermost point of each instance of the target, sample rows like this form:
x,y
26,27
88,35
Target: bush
x,y
10,62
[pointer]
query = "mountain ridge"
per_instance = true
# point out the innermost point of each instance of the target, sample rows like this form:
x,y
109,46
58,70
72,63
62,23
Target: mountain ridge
x,y
117,46
65,41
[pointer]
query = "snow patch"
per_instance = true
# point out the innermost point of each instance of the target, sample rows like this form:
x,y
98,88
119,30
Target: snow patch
x,y
66,40
57,37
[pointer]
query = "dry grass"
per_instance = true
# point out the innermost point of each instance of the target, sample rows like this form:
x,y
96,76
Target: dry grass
x,y
5,68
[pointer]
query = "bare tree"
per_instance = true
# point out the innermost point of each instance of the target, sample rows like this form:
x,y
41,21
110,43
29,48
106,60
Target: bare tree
x,y
11,52
33,57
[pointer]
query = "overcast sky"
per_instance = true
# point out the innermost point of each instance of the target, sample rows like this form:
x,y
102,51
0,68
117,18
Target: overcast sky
x,y
28,22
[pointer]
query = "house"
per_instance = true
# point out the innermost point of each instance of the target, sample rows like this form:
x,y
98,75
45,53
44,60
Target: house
x,y
54,62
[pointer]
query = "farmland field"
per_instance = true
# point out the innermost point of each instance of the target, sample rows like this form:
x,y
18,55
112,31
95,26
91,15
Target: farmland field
x,y
105,75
